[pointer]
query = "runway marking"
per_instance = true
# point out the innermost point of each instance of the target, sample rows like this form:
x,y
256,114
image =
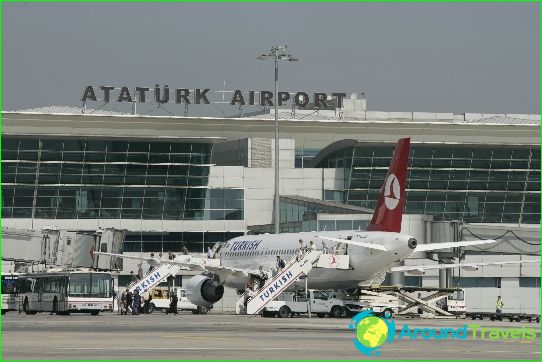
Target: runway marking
x,y
173,348
262,348
182,336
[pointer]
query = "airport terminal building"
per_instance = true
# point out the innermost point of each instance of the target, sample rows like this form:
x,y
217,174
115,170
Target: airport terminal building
x,y
194,181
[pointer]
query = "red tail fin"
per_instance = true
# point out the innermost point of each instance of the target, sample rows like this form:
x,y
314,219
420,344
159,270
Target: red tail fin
x,y
389,209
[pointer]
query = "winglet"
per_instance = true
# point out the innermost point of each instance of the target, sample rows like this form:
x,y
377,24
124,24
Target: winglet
x,y
389,209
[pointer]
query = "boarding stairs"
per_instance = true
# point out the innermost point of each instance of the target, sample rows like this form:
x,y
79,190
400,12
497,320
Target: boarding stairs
x,y
280,282
153,278
293,271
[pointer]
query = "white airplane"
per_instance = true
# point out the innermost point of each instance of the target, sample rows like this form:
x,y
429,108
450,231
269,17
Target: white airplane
x,y
371,253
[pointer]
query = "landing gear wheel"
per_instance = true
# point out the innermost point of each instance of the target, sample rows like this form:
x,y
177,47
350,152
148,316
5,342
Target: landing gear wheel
x,y
203,310
284,312
336,311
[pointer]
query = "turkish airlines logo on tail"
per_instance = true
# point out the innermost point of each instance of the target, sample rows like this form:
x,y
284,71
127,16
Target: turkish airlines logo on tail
x,y
392,192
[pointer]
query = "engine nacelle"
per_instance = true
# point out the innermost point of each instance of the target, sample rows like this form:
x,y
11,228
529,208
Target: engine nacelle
x,y
470,267
202,291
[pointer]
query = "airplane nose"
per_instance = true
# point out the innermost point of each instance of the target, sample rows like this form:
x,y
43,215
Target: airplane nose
x,y
412,243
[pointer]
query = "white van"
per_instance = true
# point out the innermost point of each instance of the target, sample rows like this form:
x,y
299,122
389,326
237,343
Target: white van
x,y
160,301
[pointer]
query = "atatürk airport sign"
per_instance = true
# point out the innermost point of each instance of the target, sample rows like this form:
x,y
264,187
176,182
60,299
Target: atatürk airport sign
x,y
201,96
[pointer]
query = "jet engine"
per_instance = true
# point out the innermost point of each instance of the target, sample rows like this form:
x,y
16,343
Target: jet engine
x,y
203,291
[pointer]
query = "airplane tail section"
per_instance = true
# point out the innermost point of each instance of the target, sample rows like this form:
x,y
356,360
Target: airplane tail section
x,y
389,209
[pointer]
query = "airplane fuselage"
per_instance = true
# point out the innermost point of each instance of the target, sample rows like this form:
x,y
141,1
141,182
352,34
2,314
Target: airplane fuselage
x,y
252,251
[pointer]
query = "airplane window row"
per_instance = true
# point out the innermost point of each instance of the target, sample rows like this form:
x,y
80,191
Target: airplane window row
x,y
284,252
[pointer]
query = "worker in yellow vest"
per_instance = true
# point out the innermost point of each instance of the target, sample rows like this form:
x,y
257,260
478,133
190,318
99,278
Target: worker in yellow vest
x,y
500,304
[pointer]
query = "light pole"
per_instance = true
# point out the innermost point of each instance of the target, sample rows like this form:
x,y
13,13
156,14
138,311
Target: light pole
x,y
277,52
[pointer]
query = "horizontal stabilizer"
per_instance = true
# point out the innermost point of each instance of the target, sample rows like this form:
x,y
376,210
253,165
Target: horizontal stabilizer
x,y
419,269
457,244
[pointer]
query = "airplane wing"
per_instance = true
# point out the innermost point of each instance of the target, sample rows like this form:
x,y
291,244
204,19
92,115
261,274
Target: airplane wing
x,y
190,263
356,243
151,261
468,266
420,247
457,244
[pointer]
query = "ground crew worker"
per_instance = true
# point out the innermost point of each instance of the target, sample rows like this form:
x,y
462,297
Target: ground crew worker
x,y
500,304
121,299
129,300
137,303
140,271
173,304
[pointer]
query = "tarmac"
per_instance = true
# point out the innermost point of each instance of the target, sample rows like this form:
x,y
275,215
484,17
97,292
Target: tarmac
x,y
220,336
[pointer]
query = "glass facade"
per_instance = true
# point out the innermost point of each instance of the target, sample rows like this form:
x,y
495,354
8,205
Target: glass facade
x,y
292,209
301,214
473,183
112,179
304,155
334,225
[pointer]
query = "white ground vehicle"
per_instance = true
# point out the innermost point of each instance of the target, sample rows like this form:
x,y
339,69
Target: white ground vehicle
x,y
160,301
65,291
291,304
455,303
9,292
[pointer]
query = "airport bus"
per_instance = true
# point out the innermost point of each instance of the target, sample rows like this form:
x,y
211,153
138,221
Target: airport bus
x,y
66,291
9,292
